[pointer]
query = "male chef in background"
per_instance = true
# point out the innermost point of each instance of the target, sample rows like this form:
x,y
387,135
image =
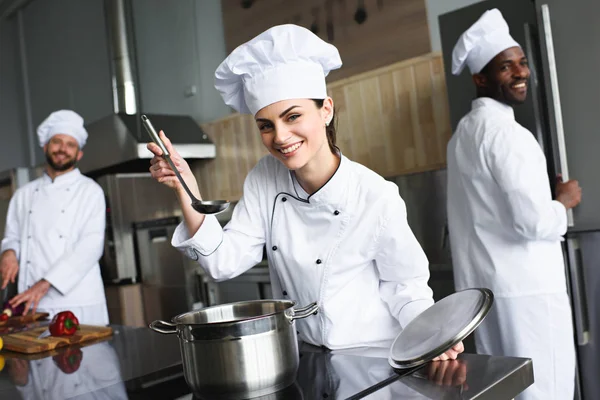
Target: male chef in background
x,y
505,229
54,232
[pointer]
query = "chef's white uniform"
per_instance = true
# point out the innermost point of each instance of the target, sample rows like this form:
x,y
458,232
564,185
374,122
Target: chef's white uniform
x,y
348,247
57,230
505,233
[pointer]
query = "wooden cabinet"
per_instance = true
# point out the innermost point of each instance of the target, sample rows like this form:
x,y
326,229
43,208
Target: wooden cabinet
x,y
393,120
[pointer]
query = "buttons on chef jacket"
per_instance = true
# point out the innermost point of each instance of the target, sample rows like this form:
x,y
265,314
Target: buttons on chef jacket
x,y
284,199
319,261
284,293
336,212
274,248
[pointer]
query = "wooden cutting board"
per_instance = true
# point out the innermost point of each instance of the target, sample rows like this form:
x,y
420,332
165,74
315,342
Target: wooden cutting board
x,y
28,342
24,319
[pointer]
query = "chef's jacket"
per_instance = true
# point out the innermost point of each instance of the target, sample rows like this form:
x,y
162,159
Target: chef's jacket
x,y
505,229
347,246
57,230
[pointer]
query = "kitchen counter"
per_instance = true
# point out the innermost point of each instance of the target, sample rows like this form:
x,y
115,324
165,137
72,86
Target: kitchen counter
x,y
137,363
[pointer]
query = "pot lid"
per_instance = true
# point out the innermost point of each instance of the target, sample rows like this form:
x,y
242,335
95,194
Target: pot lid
x,y
440,327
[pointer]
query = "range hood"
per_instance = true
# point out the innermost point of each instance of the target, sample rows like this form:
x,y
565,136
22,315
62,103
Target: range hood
x,y
117,142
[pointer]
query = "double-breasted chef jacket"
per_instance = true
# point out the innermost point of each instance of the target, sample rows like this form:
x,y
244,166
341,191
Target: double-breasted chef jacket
x,y
348,246
56,227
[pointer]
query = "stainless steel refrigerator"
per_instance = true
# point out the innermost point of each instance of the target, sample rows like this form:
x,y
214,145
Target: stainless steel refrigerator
x,y
562,41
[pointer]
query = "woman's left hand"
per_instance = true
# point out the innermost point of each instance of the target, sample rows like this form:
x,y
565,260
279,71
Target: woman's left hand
x,y
452,353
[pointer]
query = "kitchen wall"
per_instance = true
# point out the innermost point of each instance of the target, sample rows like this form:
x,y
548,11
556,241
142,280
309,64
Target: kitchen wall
x,y
435,8
67,63
179,46
15,141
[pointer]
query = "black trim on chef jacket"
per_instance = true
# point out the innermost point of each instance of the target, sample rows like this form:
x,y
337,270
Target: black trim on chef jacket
x,y
206,255
297,197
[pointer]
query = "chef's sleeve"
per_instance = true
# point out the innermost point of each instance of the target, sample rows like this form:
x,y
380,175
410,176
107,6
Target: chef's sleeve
x,y
402,264
12,230
86,249
225,253
518,165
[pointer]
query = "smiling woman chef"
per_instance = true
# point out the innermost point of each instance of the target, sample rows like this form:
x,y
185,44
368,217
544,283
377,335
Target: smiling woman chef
x,y
336,232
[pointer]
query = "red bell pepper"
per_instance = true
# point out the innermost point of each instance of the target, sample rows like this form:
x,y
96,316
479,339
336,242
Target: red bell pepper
x,y
64,323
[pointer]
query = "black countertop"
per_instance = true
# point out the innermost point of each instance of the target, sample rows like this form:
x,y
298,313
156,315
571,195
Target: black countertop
x,y
137,363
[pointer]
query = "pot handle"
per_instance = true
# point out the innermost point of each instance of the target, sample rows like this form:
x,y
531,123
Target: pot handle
x,y
306,311
155,326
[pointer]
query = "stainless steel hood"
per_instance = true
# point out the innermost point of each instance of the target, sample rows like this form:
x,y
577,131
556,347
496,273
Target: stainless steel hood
x,y
117,142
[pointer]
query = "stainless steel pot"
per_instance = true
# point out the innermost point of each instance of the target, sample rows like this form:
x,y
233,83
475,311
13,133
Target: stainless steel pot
x,y
238,350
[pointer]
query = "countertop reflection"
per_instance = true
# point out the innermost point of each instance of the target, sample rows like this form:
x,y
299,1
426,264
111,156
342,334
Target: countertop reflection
x,y
136,363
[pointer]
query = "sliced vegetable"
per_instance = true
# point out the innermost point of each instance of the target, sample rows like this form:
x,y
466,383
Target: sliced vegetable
x,y
12,311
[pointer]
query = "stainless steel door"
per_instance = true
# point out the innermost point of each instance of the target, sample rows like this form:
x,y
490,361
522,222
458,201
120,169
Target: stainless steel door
x,y
167,284
584,265
575,33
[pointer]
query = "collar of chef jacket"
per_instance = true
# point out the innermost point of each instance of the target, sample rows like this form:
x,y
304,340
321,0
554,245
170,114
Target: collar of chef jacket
x,y
495,105
332,192
64,179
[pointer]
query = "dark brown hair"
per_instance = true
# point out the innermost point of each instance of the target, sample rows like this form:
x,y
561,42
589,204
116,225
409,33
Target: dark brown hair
x,y
330,129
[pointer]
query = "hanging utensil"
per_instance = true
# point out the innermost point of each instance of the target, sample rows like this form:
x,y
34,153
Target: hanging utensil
x,y
314,27
329,19
246,3
360,15
203,207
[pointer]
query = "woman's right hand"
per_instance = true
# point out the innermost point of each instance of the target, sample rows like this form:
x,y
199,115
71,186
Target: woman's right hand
x,y
162,172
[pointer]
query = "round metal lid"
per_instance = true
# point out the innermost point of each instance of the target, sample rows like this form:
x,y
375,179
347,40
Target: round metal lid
x,y
440,327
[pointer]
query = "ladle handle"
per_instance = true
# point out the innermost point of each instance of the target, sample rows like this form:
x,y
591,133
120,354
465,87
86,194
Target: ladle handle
x,y
155,138
166,155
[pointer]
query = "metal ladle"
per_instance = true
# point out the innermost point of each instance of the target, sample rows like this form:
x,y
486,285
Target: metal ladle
x,y
203,207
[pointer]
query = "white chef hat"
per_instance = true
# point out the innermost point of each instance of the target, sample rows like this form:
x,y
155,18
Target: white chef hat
x,y
483,41
63,121
285,62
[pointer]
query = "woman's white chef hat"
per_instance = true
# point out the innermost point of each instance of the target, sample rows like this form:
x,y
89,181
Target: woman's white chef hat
x,y
63,121
483,41
284,62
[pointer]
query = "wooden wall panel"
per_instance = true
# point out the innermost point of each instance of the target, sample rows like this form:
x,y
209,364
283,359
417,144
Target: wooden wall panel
x,y
394,30
394,120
